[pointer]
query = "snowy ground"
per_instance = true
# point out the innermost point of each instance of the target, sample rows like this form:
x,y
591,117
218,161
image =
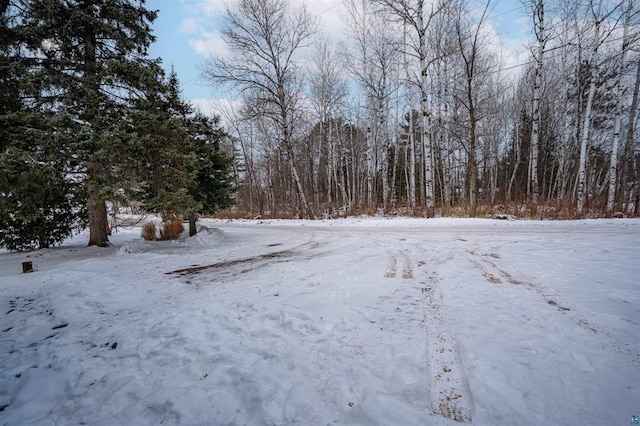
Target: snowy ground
x,y
364,322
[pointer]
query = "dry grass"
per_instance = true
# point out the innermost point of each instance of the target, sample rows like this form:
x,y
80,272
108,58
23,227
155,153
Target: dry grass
x,y
149,231
553,210
171,229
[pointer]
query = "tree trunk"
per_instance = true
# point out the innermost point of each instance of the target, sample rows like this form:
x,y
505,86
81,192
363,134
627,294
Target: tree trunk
x,y
96,208
613,169
412,164
370,168
539,30
301,194
582,182
98,225
632,170
473,162
192,224
473,166
426,130
382,132
331,166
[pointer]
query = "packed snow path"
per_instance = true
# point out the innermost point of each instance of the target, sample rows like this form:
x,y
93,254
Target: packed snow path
x,y
369,322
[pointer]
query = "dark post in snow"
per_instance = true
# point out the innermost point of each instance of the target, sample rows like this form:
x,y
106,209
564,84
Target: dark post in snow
x,y
27,267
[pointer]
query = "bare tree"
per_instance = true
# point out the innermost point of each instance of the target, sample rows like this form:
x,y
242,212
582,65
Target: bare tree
x,y
264,36
471,41
537,7
374,62
587,114
597,40
613,169
412,13
328,91
632,166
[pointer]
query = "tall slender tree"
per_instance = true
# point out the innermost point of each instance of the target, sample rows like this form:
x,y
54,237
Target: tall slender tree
x,y
264,36
613,165
471,41
537,8
418,18
586,127
328,91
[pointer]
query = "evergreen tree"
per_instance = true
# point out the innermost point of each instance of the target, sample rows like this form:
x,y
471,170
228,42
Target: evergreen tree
x,y
183,169
95,66
38,203
213,186
84,113
163,159
38,207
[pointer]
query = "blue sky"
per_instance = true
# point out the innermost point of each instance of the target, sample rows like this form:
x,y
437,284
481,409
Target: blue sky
x,y
187,32
172,45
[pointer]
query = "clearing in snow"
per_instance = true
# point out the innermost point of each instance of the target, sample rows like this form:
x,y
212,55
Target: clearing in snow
x,y
355,321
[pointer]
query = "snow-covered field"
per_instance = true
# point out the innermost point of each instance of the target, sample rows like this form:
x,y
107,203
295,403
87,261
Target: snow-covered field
x,y
355,321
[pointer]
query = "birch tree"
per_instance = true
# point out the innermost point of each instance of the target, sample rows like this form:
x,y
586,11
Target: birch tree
x,y
264,36
374,61
597,20
328,91
470,40
537,7
613,168
596,41
415,15
632,166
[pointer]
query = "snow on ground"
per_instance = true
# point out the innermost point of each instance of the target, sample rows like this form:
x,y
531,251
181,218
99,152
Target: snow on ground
x,y
355,321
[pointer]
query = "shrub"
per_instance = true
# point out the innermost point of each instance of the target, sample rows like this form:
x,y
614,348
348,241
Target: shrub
x,y
171,229
149,231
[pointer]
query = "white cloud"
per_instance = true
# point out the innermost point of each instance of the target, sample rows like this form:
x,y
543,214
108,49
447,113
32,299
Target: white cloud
x,y
206,106
329,13
212,7
209,43
510,35
207,15
222,107
203,23
191,26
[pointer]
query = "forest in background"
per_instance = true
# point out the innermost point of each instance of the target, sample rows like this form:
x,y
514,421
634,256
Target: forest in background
x,y
416,112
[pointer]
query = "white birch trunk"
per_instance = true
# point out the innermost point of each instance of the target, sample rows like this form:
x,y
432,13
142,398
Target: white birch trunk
x,y
563,166
630,141
446,145
613,169
370,167
412,163
516,150
426,128
382,132
535,131
582,182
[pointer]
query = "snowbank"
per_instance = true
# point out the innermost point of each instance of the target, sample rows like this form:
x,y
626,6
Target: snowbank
x,y
206,236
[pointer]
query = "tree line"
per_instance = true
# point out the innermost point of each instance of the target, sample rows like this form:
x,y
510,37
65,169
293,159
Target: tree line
x,y
87,119
417,113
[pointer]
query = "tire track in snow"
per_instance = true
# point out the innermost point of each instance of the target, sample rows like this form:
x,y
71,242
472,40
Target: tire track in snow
x,y
407,270
497,274
392,266
448,389
391,272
